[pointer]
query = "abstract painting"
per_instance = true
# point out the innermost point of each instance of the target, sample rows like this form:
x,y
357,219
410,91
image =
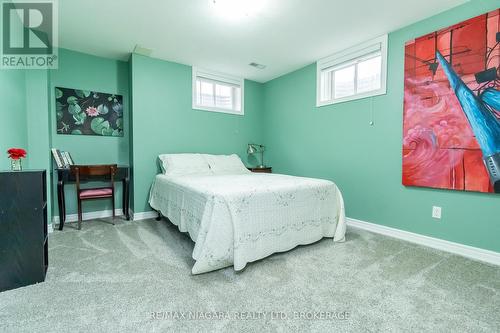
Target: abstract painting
x,y
84,112
451,120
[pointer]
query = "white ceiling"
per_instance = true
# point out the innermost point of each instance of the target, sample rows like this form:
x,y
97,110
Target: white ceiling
x,y
284,35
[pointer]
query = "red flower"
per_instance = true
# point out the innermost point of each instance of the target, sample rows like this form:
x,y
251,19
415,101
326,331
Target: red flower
x,y
92,111
16,153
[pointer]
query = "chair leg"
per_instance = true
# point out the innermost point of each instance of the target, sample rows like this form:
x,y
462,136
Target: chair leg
x,y
79,214
113,205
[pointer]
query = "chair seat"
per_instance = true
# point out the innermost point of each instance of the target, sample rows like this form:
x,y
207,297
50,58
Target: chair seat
x,y
96,193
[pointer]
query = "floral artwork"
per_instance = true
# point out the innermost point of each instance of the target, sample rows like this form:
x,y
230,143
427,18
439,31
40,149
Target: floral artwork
x,y
84,112
451,120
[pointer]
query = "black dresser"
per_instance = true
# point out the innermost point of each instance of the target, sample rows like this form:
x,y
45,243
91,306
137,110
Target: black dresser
x,y
23,228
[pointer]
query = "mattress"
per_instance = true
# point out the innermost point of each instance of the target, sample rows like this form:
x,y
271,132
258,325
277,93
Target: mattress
x,y
237,219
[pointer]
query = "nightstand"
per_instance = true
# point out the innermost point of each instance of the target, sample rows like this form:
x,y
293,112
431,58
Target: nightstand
x,y
262,170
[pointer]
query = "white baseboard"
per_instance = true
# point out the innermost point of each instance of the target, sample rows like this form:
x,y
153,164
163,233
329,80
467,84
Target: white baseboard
x,y
471,252
89,216
143,215
103,214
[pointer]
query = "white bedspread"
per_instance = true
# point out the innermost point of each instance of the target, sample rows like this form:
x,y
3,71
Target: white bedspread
x,y
237,219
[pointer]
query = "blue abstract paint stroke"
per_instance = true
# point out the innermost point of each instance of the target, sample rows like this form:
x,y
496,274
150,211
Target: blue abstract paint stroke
x,y
484,124
491,97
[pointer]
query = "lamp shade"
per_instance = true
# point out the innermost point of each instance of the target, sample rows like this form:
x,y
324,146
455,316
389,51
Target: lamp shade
x,y
251,149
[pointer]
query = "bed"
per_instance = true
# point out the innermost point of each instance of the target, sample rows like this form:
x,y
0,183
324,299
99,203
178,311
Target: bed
x,y
236,217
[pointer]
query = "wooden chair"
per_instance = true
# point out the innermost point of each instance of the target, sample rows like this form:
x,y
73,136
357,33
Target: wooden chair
x,y
94,172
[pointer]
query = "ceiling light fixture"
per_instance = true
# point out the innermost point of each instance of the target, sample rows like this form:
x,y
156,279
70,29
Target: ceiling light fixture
x,y
238,9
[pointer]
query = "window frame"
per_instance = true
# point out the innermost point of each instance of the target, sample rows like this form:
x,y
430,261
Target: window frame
x,y
348,57
217,77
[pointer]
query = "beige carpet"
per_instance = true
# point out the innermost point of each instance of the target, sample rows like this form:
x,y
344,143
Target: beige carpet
x,y
135,277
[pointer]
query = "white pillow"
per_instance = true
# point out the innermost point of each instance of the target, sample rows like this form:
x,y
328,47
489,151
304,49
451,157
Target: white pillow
x,y
184,164
226,164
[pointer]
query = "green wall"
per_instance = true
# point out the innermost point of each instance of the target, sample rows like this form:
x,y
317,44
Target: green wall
x,y
24,120
164,121
37,124
87,72
13,131
12,113
336,142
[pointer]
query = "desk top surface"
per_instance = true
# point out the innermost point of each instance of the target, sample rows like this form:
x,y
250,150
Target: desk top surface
x,y
22,171
120,166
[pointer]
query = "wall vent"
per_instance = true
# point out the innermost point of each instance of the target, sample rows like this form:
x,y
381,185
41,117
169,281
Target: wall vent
x,y
142,51
256,65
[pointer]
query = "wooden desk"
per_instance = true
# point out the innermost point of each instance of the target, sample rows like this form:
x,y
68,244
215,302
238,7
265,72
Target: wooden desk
x,y
65,176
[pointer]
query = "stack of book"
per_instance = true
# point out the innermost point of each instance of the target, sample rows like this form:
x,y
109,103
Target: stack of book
x,y
62,158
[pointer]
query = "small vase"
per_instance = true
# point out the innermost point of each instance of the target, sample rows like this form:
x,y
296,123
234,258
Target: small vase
x,y
16,165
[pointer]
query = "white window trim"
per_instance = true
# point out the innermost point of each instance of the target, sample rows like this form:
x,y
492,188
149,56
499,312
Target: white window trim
x,y
223,78
344,57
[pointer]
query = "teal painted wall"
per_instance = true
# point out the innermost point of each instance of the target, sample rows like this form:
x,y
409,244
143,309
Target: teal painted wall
x,y
131,134
13,131
37,124
164,121
336,142
87,72
24,119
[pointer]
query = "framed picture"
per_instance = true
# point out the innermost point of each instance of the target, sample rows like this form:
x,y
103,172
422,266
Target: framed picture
x,y
451,120
85,112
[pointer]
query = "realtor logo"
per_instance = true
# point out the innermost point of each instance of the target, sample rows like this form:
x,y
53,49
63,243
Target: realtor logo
x,y
29,34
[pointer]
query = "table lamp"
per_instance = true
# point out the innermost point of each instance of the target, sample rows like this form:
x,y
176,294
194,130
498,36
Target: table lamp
x,y
256,148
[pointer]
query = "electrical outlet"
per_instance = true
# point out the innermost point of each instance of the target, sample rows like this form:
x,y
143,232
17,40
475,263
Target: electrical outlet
x,y
436,212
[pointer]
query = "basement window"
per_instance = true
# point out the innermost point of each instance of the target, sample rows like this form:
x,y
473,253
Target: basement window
x,y
217,92
351,74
